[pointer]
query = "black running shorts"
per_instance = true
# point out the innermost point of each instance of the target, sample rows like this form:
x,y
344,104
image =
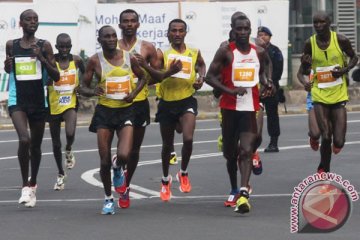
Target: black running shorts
x,y
111,118
170,112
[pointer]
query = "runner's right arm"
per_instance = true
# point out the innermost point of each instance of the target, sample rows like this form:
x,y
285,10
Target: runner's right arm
x,y
305,67
85,89
222,58
8,63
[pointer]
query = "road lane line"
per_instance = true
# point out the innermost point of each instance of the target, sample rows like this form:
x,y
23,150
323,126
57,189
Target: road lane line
x,y
88,177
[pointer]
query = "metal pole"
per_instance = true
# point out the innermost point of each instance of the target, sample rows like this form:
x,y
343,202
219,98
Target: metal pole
x,y
322,5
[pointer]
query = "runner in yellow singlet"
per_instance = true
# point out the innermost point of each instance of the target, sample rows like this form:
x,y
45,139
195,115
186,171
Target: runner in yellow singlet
x,y
328,51
114,70
63,104
177,103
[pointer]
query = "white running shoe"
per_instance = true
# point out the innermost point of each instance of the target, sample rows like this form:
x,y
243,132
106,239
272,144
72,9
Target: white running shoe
x,y
25,195
32,201
60,182
69,159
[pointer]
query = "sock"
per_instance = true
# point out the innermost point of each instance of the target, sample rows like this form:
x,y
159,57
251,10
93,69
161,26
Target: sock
x,y
166,179
235,191
183,172
111,197
244,192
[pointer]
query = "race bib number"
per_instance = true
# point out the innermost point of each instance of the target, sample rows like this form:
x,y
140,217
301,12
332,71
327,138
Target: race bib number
x,y
325,77
118,87
64,100
244,74
67,81
186,70
27,68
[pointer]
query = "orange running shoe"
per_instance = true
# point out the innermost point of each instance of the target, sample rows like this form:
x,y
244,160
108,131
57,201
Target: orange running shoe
x,y
314,144
185,185
165,191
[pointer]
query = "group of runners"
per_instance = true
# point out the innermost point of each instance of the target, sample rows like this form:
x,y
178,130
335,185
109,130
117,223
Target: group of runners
x,y
240,73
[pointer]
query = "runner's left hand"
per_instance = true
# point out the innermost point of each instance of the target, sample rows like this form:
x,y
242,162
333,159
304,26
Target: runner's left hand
x,y
198,83
338,72
38,53
129,98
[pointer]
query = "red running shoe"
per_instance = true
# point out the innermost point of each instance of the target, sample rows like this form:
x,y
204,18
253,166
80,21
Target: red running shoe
x,y
314,144
124,200
231,201
335,150
257,165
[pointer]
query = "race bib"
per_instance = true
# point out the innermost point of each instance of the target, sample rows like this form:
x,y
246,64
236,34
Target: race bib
x,y
118,87
64,100
67,81
186,70
244,74
325,77
27,68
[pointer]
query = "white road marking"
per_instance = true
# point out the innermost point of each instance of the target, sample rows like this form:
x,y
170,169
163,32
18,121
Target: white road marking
x,y
88,177
95,149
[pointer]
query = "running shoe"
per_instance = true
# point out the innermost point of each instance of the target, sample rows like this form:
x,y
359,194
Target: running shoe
x,y
32,195
173,159
335,150
320,170
25,195
314,144
242,204
233,197
69,159
257,165
124,200
119,177
185,185
165,191
271,148
108,207
220,143
60,182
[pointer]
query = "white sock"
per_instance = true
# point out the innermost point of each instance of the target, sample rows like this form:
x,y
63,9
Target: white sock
x,y
244,189
182,171
166,179
109,197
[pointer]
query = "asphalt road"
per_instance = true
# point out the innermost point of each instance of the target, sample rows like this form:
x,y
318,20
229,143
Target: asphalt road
x,y
74,213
